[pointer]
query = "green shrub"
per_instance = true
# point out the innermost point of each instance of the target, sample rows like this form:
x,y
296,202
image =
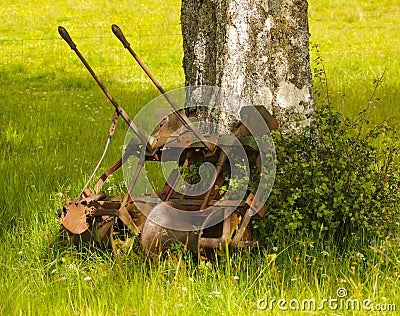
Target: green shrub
x,y
339,176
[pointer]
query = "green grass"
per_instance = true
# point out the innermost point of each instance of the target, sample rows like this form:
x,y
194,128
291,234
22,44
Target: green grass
x,y
358,42
54,122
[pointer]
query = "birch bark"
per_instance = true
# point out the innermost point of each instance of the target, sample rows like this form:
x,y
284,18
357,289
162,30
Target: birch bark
x,y
256,48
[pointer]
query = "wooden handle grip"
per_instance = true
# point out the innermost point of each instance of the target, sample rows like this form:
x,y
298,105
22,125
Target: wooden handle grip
x,y
64,34
118,33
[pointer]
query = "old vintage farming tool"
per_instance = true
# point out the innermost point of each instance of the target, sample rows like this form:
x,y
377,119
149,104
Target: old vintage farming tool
x,y
201,219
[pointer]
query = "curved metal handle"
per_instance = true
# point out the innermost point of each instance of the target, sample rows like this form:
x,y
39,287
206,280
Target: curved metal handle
x,y
64,34
118,33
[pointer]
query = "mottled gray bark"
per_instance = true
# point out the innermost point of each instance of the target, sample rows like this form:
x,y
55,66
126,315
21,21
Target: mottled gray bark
x,y
257,48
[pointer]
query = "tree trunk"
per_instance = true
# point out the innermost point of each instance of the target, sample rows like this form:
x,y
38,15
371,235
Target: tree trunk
x,y
256,48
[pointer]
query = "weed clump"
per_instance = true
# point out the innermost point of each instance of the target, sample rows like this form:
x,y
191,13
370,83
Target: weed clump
x,y
337,177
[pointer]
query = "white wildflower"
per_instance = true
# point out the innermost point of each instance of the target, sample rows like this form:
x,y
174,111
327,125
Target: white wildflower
x,y
215,293
360,256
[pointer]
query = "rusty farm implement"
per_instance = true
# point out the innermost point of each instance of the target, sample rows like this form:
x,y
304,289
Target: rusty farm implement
x,y
203,217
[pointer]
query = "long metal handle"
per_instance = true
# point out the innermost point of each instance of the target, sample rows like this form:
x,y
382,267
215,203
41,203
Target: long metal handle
x,y
118,33
64,34
184,120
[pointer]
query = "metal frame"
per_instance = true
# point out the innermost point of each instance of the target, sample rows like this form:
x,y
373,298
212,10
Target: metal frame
x,y
97,218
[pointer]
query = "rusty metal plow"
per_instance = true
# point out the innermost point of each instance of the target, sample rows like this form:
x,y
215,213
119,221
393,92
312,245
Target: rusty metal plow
x,y
203,221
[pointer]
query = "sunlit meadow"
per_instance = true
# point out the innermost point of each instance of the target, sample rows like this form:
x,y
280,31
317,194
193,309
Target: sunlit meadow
x,y
54,122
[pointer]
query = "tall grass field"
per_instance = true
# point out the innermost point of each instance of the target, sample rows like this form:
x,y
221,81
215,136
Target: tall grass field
x,y
54,123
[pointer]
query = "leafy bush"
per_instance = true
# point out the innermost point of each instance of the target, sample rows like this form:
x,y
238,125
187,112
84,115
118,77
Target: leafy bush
x,y
338,176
